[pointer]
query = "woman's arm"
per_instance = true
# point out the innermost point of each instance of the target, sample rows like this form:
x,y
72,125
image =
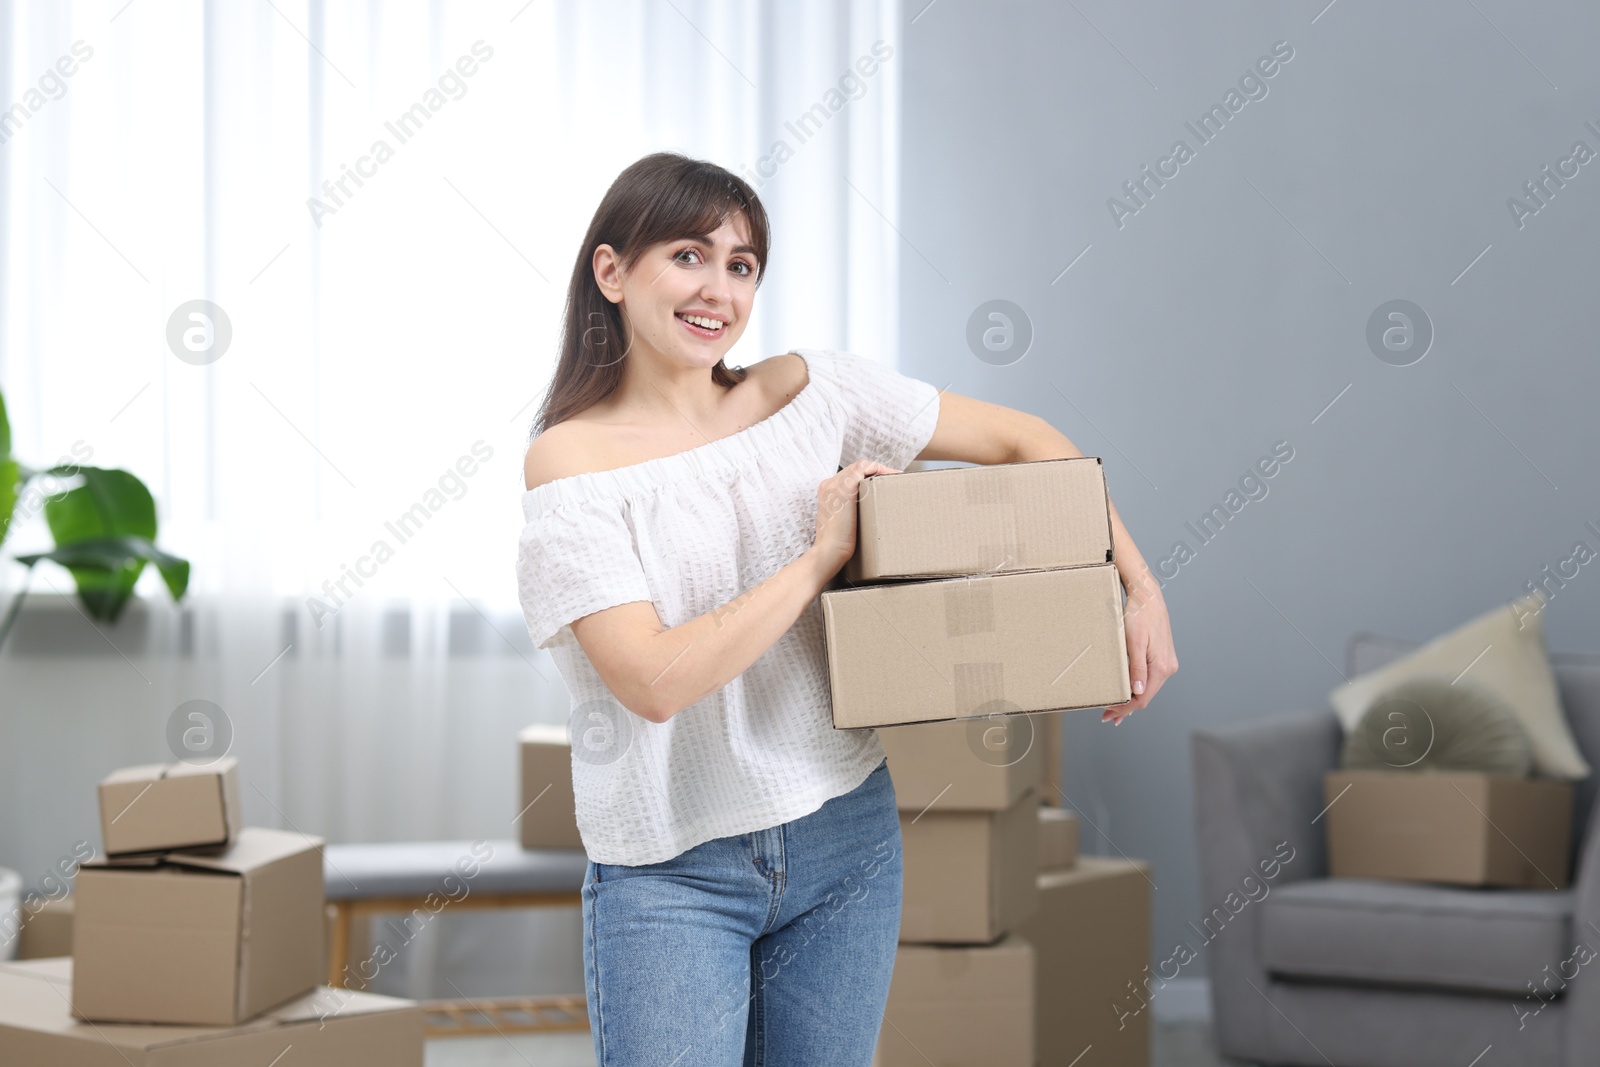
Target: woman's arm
x,y
975,431
656,672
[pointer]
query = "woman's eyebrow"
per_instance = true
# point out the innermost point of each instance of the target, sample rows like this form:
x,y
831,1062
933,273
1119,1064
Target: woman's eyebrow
x,y
705,239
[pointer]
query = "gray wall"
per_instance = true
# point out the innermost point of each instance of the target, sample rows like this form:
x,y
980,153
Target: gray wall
x,y
1229,311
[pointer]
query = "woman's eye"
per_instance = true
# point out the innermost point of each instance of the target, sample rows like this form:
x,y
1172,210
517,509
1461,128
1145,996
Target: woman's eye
x,y
687,252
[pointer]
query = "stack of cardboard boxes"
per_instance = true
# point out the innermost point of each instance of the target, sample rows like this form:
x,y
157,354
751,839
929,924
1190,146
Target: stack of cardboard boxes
x,y
194,940
963,990
1013,949
978,591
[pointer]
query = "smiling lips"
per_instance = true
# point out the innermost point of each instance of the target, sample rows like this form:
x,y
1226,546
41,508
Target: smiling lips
x,y
702,325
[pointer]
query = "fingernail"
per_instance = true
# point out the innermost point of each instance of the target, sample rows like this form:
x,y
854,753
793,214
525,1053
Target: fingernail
x,y
1138,687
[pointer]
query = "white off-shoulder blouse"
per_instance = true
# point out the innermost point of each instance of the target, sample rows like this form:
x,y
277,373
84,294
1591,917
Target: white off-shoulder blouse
x,y
689,533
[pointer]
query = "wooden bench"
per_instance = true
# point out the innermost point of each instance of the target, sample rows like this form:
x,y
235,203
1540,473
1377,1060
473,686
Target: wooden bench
x,y
436,877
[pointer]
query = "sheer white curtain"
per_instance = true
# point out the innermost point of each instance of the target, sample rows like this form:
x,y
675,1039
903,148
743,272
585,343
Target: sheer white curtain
x,y
385,200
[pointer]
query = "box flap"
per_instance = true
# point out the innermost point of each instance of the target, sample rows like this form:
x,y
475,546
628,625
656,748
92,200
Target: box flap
x,y
197,770
145,772
254,848
34,997
545,733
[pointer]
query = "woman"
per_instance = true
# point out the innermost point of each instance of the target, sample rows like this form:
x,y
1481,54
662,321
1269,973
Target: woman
x,y
742,897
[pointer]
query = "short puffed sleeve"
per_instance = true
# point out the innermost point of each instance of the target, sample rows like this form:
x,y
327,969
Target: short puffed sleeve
x,y
574,559
889,417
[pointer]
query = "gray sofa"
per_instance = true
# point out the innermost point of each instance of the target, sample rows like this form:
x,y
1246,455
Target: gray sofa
x,y
1366,973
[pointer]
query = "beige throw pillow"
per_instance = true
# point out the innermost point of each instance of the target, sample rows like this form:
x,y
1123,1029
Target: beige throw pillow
x,y
1502,650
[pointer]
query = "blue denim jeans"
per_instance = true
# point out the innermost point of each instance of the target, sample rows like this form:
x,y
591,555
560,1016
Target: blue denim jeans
x,y
766,949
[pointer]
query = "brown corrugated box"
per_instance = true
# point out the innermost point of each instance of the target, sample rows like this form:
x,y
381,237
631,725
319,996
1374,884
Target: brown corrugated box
x,y
206,940
1091,939
549,810
955,647
1460,828
969,875
46,930
164,806
326,1028
960,1006
1048,728
982,764
1058,838
982,519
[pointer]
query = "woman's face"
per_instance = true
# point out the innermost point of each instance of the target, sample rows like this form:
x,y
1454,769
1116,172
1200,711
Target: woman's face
x,y
711,278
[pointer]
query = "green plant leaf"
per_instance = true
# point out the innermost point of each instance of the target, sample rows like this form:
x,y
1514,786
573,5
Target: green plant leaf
x,y
10,488
10,474
111,506
106,569
109,503
5,430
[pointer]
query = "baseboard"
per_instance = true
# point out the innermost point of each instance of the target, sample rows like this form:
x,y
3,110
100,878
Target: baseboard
x,y
1182,1000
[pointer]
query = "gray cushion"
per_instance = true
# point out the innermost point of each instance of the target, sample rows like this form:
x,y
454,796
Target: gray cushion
x,y
448,868
1434,723
1577,679
1396,933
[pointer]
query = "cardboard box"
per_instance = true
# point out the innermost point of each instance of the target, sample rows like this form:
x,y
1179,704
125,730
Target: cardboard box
x,y
956,1006
969,875
200,940
958,647
549,811
1091,940
47,930
978,764
1461,828
326,1028
1048,728
1058,838
165,806
981,520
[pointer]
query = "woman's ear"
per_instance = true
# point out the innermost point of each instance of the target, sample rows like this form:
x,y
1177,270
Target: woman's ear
x,y
607,272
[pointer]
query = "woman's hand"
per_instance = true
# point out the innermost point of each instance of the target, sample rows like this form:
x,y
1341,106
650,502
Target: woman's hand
x,y
1151,657
836,511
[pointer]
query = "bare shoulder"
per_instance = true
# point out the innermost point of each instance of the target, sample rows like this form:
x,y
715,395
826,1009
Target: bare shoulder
x,y
780,377
565,449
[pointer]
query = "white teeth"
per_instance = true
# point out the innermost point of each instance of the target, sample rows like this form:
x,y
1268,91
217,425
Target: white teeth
x,y
704,323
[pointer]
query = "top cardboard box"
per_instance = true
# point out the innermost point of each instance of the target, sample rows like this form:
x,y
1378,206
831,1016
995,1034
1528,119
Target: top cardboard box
x,y
982,520
166,806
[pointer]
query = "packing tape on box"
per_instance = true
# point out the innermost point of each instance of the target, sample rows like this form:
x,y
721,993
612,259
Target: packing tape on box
x,y
969,609
996,494
988,490
979,685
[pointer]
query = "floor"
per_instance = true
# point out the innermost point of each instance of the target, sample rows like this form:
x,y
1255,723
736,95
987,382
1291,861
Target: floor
x,y
1172,1045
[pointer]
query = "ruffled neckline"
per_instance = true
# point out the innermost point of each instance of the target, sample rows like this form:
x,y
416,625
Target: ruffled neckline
x,y
701,461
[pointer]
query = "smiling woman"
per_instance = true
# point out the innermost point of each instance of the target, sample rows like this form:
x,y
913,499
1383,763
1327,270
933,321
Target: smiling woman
x,y
651,240
665,494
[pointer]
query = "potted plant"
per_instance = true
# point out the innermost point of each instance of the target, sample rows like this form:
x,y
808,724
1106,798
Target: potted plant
x,y
103,525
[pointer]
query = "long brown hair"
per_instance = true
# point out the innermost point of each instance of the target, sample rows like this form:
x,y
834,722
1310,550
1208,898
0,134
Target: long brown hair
x,y
662,197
